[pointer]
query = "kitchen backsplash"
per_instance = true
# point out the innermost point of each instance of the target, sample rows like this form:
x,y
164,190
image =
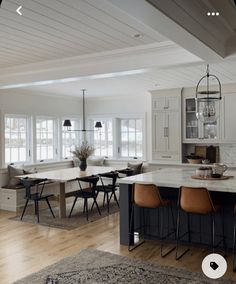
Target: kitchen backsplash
x,y
228,154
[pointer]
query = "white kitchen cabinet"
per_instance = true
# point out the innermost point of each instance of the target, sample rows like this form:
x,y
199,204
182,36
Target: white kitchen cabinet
x,y
165,103
173,132
228,119
195,131
166,129
159,132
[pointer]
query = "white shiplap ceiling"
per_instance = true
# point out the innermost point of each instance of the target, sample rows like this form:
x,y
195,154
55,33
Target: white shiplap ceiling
x,y
54,29
98,38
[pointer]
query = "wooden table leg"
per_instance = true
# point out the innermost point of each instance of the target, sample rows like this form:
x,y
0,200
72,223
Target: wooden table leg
x,y
62,200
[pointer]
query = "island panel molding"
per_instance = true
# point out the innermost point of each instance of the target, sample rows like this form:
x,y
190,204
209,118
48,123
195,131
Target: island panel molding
x,y
168,181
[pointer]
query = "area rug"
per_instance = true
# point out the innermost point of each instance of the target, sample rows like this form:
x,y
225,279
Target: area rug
x,y
77,219
91,266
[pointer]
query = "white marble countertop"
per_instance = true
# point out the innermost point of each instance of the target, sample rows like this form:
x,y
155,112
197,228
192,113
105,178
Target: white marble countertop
x,y
176,177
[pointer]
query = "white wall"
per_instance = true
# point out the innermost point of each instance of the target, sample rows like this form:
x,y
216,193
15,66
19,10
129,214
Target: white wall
x,y
37,104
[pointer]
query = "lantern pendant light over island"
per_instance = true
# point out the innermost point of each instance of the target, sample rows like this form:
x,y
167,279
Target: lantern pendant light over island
x,y
208,98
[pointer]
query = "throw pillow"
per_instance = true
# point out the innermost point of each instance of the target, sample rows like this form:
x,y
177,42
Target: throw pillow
x,y
96,161
136,167
12,173
30,171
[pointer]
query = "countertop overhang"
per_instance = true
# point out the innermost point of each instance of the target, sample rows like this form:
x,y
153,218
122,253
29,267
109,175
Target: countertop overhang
x,y
176,177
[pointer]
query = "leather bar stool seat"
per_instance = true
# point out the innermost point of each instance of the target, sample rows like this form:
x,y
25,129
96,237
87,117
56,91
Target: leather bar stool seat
x,y
147,196
196,201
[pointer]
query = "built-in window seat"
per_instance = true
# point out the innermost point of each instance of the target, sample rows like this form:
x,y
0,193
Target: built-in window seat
x,y
12,197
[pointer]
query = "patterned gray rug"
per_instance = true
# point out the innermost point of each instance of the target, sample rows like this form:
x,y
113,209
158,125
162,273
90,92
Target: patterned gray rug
x,y
97,267
77,219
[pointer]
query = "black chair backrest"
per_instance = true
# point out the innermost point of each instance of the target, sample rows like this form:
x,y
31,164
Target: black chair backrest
x,y
92,180
111,175
29,183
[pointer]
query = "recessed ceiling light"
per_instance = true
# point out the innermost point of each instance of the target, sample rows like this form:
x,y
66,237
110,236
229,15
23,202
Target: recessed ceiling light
x,y
138,35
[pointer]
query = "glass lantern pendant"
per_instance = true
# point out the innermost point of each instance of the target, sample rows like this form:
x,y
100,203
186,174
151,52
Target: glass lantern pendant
x,y
207,99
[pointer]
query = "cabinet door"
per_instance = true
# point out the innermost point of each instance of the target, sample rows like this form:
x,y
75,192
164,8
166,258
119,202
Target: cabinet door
x,y
173,103
191,123
173,132
159,103
159,132
229,117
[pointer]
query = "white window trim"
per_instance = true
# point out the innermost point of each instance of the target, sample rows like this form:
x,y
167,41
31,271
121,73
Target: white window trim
x,y
58,132
28,138
56,141
116,132
93,119
144,142
78,133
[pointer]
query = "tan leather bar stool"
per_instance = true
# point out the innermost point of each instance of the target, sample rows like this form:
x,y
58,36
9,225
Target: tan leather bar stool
x,y
147,196
196,201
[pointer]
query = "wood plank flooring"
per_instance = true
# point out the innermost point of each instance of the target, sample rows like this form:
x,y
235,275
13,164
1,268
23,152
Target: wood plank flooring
x,y
26,248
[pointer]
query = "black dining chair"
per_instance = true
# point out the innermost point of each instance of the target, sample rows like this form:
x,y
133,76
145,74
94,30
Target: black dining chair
x,y
86,193
108,189
36,196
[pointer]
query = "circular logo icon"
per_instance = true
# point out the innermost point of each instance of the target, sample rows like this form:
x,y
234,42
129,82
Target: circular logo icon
x,y
214,266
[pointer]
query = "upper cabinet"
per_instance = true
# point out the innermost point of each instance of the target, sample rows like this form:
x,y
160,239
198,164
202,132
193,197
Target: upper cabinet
x,y
166,127
228,119
165,102
195,131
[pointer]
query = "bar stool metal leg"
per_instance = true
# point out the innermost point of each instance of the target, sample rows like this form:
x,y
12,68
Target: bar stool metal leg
x,y
168,233
177,257
132,244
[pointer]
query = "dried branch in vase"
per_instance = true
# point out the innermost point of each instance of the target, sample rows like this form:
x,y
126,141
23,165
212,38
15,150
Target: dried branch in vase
x,y
83,151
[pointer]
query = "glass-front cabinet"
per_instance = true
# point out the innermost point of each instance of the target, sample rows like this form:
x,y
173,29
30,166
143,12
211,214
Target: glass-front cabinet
x,y
194,129
191,121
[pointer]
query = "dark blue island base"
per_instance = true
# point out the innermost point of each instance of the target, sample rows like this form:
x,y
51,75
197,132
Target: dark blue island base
x,y
200,226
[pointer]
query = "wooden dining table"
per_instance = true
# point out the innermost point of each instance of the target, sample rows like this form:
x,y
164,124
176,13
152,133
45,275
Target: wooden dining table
x,y
63,176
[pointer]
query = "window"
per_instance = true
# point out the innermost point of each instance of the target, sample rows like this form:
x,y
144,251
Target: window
x,y
70,139
45,137
131,138
103,141
16,139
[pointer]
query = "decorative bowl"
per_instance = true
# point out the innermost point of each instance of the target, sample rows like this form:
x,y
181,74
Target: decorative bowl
x,y
194,161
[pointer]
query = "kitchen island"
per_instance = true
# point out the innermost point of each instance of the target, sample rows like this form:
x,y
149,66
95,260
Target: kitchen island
x,y
168,181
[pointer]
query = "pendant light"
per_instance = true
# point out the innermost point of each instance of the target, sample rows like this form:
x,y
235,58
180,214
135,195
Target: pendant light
x,y
67,122
207,100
